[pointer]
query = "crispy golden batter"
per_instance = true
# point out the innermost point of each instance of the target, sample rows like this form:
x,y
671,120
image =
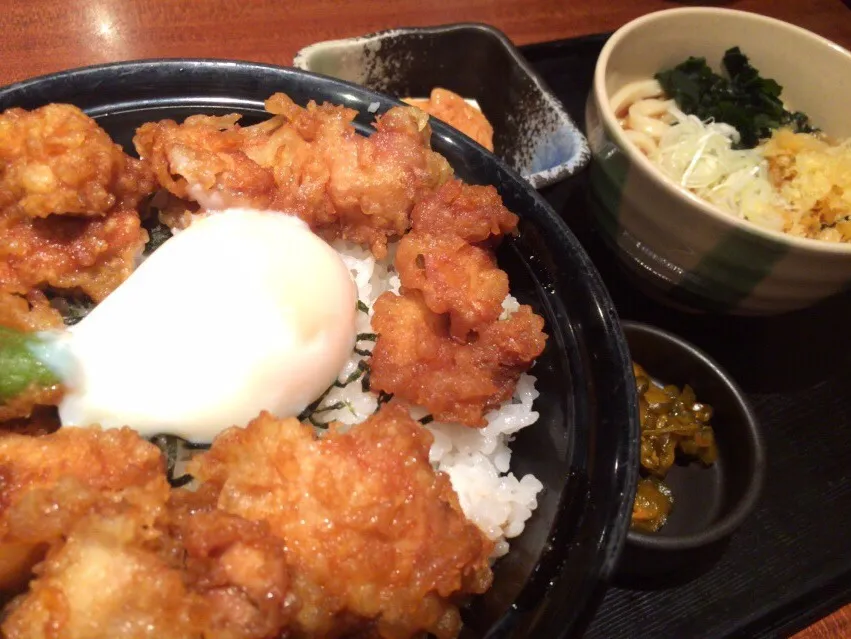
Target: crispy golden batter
x,y
416,359
56,159
236,566
110,578
67,209
27,313
23,405
90,254
454,277
441,344
475,213
174,565
47,483
454,110
309,161
376,541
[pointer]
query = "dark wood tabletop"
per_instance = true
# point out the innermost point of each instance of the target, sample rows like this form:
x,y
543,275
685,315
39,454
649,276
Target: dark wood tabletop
x,y
42,36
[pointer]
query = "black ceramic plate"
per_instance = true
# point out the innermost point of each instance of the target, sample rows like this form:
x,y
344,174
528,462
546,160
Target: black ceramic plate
x,y
584,446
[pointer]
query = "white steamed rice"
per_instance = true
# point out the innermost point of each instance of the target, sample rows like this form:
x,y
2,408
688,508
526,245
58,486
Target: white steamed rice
x,y
476,460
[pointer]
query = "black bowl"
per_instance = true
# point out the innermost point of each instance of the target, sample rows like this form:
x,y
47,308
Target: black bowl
x,y
584,447
709,502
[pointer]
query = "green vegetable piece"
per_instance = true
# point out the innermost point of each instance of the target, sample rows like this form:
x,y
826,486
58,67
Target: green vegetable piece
x,y
744,100
19,367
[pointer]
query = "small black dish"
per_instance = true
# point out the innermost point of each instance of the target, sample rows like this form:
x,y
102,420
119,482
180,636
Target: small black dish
x,y
709,502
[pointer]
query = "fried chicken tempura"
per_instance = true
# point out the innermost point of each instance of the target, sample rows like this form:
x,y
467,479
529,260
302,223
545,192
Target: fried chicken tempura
x,y
142,568
90,254
416,359
376,540
475,213
171,563
453,109
67,210
23,405
27,313
309,161
57,160
47,483
236,566
454,277
110,578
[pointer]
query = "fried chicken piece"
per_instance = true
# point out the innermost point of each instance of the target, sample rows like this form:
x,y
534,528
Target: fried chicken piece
x,y
174,565
67,204
454,277
202,159
141,567
24,404
454,110
376,540
90,254
475,213
416,359
47,483
111,578
57,160
235,565
308,161
28,313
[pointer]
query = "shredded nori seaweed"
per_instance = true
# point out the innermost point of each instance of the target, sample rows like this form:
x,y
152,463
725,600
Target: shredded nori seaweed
x,y
72,307
171,447
157,236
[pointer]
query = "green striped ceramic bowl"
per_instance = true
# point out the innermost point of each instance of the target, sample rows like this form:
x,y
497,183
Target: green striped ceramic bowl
x,y
688,252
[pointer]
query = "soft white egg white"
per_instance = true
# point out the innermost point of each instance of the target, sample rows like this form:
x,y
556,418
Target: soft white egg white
x,y
241,312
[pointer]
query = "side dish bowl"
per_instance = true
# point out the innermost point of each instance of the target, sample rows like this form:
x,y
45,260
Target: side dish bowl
x,y
709,502
688,252
532,131
584,446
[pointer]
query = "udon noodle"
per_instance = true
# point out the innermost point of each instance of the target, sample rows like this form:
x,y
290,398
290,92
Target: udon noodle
x,y
644,113
797,183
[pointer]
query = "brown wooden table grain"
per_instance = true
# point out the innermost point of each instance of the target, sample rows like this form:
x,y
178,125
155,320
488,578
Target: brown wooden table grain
x,y
42,36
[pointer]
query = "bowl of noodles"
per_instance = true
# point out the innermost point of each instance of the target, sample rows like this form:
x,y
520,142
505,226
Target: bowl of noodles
x,y
721,169
439,436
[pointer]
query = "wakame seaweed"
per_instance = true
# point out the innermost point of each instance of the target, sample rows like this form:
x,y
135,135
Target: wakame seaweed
x,y
744,99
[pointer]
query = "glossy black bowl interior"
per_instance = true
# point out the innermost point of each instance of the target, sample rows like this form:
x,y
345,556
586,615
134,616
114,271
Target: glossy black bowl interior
x,y
709,502
583,448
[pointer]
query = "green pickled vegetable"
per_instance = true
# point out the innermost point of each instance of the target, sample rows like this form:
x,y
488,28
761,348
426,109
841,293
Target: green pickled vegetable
x,y
19,367
673,423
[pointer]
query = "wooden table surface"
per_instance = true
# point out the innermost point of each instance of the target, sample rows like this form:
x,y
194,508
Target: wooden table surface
x,y
41,36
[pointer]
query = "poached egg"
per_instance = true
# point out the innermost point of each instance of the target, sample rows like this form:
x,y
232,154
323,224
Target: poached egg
x,y
241,312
